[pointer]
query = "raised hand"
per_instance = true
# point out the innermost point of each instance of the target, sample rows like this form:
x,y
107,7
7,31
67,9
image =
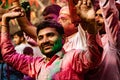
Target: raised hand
x,y
86,12
13,12
85,9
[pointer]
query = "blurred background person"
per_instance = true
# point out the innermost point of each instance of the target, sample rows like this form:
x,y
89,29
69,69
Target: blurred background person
x,y
19,41
75,35
6,71
28,51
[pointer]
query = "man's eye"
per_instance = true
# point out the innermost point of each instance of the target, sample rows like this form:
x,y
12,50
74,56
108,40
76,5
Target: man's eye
x,y
40,38
50,34
100,15
63,19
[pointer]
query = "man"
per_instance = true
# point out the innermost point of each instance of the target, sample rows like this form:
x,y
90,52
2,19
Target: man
x,y
75,36
108,24
58,64
28,51
19,41
51,12
6,71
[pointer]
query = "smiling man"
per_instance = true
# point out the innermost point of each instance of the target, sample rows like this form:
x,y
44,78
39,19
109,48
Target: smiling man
x,y
49,40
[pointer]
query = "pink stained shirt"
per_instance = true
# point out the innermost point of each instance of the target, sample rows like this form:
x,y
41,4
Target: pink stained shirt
x,y
109,68
76,41
62,66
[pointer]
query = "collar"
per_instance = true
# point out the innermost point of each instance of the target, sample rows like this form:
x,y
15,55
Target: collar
x,y
59,54
70,37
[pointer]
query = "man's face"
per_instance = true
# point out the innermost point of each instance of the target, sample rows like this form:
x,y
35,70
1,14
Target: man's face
x,y
17,40
100,21
49,41
99,18
65,20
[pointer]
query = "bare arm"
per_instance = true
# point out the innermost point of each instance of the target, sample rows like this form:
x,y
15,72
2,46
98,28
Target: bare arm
x,y
25,25
92,56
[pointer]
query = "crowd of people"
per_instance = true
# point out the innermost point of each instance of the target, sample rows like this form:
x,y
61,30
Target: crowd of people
x,y
64,45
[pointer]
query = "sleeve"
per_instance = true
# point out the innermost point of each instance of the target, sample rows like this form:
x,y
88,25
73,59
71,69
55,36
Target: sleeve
x,y
111,19
89,58
82,37
26,64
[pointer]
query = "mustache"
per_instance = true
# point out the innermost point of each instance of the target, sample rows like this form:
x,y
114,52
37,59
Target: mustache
x,y
46,44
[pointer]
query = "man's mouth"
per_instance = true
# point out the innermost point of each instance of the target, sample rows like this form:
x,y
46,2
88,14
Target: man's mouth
x,y
45,47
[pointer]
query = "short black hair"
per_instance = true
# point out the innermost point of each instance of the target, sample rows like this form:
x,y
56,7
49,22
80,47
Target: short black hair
x,y
19,33
52,24
51,9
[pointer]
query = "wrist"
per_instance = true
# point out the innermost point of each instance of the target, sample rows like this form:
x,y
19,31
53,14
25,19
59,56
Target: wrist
x,y
16,3
5,21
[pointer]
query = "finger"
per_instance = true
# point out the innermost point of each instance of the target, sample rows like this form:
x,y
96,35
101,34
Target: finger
x,y
22,13
11,8
14,9
89,3
16,14
84,2
78,4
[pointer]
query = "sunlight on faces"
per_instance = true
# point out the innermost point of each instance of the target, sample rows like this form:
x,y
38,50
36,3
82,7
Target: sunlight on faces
x,y
65,20
49,41
64,16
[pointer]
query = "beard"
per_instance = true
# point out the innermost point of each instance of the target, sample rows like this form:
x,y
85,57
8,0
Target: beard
x,y
53,47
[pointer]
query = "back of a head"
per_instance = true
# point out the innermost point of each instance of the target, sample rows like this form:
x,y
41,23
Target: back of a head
x,y
52,24
28,51
51,9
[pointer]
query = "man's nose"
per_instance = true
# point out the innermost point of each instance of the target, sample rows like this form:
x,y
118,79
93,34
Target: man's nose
x,y
45,39
96,18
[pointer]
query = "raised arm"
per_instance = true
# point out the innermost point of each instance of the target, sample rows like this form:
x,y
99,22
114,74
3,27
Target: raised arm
x,y
25,24
92,56
18,61
111,19
86,12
